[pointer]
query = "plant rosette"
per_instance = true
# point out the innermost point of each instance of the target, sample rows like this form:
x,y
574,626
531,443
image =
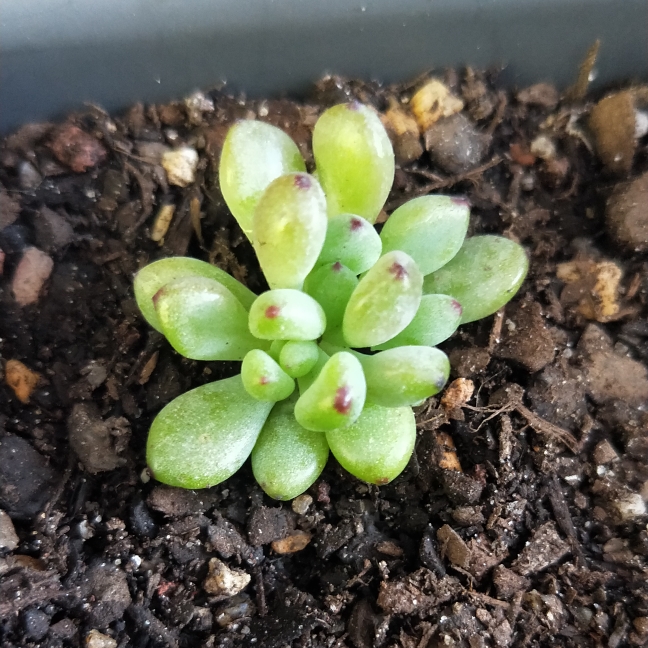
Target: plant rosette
x,y
343,344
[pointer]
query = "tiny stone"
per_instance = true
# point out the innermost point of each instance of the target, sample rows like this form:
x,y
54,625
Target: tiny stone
x,y
626,216
237,607
8,537
36,624
64,629
455,144
222,581
26,478
32,272
95,639
301,504
604,452
629,506
180,166
53,232
641,626
28,176
292,543
76,148
21,379
613,122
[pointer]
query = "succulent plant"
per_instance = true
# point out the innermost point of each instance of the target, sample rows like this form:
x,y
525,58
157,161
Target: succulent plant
x,y
338,350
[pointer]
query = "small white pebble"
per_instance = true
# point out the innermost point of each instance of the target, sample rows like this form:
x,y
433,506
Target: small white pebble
x,y
95,639
630,506
180,166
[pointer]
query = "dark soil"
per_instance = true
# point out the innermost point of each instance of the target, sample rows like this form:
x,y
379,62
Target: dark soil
x,y
519,521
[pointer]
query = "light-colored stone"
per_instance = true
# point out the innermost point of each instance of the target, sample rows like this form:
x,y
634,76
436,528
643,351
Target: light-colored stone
x,y
301,504
33,270
8,537
95,639
180,166
629,506
223,581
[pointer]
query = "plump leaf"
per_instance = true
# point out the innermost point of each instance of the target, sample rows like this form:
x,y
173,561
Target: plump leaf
x,y
405,375
203,437
264,379
298,357
377,447
331,286
287,459
354,159
286,314
159,273
202,320
275,348
384,302
289,229
484,275
304,382
430,229
254,154
436,320
336,397
351,240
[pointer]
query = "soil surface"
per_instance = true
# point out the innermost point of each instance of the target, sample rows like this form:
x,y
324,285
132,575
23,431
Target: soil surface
x,y
520,520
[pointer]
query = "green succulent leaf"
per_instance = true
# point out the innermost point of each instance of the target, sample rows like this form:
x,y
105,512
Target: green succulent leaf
x,y
159,273
430,229
331,286
354,159
286,314
275,348
298,357
308,379
289,229
484,275
264,379
202,320
436,320
353,241
384,302
253,155
405,375
377,447
203,437
287,459
336,397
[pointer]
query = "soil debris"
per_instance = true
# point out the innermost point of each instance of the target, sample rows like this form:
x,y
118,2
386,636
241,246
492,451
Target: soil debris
x,y
610,374
526,337
96,442
544,548
626,214
76,149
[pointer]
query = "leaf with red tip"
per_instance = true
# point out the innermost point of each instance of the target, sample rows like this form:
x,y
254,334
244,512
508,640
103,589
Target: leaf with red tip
x,y
336,397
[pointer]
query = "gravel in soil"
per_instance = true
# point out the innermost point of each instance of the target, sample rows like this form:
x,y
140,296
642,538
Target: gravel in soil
x,y
521,518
